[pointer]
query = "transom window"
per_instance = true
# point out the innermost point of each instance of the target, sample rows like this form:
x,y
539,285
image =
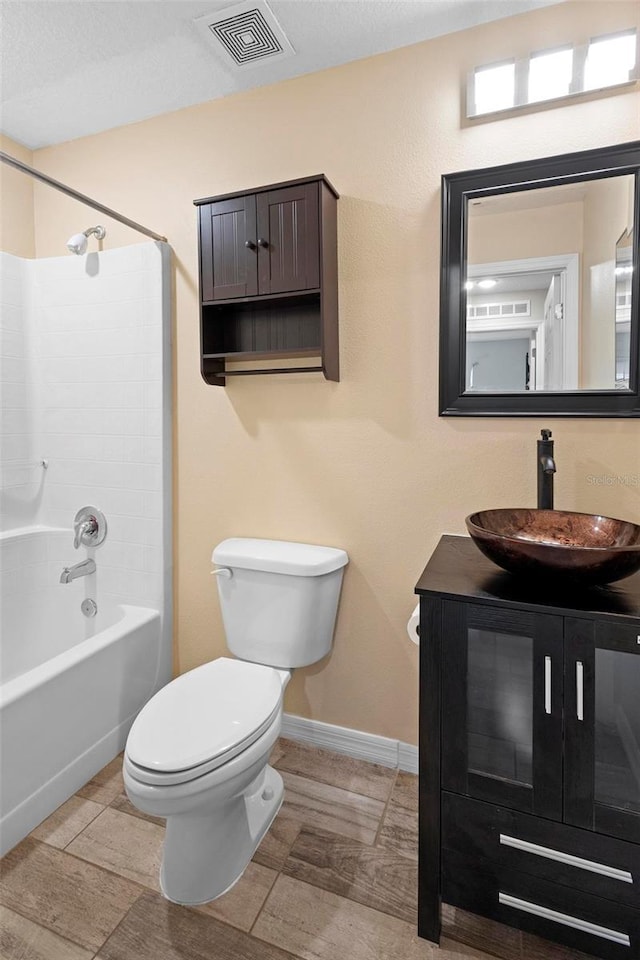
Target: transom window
x,y
545,75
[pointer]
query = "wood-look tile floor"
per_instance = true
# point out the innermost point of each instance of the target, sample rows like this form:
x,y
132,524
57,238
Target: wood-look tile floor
x,y
334,879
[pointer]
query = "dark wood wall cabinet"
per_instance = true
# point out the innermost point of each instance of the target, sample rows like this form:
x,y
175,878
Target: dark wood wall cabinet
x,y
269,279
530,753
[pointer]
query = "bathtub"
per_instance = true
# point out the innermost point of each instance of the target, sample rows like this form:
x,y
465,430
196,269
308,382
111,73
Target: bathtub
x,y
70,686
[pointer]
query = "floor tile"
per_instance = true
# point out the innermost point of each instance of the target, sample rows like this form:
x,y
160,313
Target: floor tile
x,y
106,785
399,829
317,925
330,808
67,821
277,842
125,845
481,933
21,939
373,876
124,805
405,791
356,776
158,930
276,751
74,899
451,950
242,904
399,832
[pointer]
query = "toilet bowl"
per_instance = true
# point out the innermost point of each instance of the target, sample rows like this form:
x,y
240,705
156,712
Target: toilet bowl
x,y
197,753
198,756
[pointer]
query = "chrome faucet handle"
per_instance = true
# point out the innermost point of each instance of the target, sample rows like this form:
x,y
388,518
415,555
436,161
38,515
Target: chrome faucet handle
x,y
90,527
86,529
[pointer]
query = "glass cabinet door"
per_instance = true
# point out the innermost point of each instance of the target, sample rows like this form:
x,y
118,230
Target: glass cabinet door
x,y
502,706
602,789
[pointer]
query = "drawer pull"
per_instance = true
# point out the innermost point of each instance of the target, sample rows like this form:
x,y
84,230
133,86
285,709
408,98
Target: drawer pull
x,y
547,684
579,690
602,868
565,919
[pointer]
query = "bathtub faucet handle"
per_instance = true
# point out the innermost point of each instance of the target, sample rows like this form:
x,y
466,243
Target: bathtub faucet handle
x,y
87,528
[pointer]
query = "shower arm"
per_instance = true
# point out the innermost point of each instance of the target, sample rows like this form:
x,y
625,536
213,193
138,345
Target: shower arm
x,y
70,192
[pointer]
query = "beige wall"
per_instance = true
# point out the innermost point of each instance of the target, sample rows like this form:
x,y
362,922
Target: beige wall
x,y
365,464
16,203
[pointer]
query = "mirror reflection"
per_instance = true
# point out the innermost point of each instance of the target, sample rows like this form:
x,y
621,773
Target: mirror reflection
x,y
548,288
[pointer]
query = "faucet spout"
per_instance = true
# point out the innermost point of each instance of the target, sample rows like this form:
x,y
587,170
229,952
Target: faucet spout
x,y
546,468
83,569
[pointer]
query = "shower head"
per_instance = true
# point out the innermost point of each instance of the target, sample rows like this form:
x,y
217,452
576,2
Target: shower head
x,y
78,242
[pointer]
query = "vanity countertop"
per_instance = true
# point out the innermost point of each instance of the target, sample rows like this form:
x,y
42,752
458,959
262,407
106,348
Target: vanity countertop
x,y
457,570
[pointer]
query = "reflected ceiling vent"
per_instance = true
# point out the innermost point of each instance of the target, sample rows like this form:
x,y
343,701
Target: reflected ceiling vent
x,y
248,32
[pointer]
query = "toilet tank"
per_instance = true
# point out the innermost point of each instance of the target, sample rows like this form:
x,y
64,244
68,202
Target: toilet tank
x,y
279,605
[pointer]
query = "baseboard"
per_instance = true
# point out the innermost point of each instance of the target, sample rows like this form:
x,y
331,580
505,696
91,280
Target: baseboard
x,y
352,743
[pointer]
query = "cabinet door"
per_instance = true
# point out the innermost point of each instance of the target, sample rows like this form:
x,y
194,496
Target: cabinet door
x,y
228,249
288,239
502,707
602,727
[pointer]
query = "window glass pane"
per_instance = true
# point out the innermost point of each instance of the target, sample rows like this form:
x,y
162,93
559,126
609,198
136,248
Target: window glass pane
x,y
550,75
609,61
617,770
494,87
500,705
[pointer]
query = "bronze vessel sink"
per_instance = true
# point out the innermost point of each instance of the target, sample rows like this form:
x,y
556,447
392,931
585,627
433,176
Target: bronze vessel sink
x,y
580,547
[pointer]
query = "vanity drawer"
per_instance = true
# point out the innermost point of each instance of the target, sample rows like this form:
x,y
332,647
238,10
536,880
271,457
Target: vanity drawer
x,y
604,928
598,865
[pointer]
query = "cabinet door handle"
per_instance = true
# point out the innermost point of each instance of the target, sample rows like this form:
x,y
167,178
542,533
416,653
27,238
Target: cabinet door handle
x,y
547,684
606,933
579,690
262,242
250,245
603,869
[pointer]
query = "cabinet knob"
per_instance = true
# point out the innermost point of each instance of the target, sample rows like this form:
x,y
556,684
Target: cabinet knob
x,y
250,245
262,242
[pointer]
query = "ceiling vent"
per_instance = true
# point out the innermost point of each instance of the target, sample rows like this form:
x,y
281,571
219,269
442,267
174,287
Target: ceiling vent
x,y
248,32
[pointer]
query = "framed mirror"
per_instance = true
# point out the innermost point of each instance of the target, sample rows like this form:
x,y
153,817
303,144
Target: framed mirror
x,y
539,287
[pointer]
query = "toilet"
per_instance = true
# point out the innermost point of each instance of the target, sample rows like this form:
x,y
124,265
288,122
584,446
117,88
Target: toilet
x,y
197,752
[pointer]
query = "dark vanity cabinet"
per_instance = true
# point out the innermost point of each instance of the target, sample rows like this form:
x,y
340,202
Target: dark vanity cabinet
x,y
268,279
530,752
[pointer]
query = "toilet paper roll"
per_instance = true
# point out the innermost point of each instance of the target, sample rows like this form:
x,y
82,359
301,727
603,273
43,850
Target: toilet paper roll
x,y
413,625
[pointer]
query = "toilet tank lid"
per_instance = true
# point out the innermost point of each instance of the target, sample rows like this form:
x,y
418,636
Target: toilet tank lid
x,y
279,556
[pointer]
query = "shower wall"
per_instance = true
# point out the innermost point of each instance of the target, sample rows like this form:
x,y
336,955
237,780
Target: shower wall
x,y
85,347
19,478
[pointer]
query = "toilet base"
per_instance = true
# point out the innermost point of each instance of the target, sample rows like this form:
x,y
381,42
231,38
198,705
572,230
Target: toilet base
x,y
206,854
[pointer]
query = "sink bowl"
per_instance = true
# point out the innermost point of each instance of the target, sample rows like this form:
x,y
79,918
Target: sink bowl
x,y
581,547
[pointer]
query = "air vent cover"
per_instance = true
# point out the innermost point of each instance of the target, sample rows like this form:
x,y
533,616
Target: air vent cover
x,y
248,33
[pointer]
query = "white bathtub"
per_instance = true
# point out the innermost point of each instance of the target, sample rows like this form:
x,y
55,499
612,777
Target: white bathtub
x,y
70,686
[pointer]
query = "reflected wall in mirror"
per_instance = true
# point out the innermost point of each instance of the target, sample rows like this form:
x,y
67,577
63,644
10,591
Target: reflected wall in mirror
x,y
539,287
542,288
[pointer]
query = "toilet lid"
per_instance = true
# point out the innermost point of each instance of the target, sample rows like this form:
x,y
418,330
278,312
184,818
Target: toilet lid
x,y
209,713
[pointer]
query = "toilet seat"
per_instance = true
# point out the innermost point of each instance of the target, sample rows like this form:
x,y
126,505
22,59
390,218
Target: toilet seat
x,y
203,719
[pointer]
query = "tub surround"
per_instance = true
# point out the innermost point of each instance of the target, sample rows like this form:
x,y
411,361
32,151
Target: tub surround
x,y
86,387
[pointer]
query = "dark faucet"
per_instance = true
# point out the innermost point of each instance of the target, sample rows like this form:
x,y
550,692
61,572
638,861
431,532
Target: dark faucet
x,y
546,470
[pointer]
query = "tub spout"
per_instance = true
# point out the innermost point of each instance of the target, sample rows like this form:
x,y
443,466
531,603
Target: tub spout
x,y
82,569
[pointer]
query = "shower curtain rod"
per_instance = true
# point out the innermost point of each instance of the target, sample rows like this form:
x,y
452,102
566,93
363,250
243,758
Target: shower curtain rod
x,y
25,168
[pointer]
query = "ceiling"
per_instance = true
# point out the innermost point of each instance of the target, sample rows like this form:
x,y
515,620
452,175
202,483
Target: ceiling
x,y
69,68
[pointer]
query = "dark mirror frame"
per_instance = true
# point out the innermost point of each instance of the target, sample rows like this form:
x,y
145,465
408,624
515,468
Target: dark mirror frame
x,y
457,190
